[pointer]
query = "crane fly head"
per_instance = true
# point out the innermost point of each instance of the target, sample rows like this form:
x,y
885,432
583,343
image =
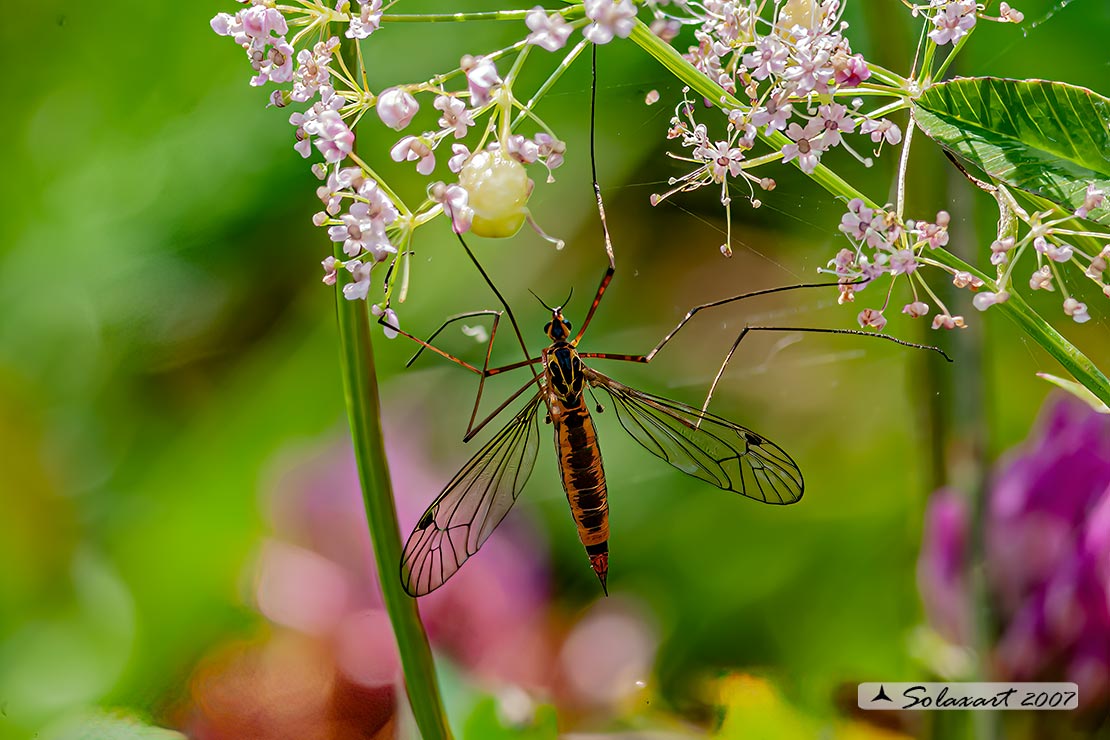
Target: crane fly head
x,y
558,329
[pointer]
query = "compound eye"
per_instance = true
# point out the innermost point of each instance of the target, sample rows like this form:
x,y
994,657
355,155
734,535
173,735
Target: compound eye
x,y
568,325
547,328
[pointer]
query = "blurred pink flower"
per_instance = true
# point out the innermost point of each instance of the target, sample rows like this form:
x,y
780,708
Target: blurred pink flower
x,y
320,568
1047,551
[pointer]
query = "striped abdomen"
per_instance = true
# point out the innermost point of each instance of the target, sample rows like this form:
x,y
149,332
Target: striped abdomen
x,y
584,481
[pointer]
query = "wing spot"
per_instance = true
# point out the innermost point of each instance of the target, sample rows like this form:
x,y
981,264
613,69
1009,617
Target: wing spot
x,y
428,518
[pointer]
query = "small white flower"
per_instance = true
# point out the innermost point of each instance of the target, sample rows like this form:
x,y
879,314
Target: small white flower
x,y
368,19
456,117
548,31
1077,310
610,18
389,317
414,149
986,299
481,78
396,108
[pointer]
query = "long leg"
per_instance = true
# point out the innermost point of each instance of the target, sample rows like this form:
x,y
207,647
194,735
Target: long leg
x,y
691,313
485,371
459,317
611,270
813,330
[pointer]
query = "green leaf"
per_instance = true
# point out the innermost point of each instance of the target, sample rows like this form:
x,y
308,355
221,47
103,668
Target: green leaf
x,y
1078,391
1047,138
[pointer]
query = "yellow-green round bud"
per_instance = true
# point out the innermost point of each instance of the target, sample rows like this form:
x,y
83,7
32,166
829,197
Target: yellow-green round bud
x,y
498,188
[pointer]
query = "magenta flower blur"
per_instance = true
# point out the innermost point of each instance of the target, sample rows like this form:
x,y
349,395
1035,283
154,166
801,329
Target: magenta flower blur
x,y
1047,535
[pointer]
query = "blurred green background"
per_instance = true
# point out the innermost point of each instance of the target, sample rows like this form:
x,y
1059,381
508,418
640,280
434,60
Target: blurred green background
x,y
166,346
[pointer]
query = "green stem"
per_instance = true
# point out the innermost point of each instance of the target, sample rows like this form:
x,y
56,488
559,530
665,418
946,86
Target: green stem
x,y
360,388
1078,364
573,11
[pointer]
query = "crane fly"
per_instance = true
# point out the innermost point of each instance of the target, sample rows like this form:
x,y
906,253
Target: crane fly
x,y
700,444
475,501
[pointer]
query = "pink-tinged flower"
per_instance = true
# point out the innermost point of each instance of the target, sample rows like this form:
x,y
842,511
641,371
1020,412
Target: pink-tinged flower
x,y
459,156
1055,252
870,317
769,57
276,65
834,120
360,274
548,31
1077,310
397,107
706,58
667,29
810,72
880,130
224,24
313,70
947,321
1000,249
521,149
953,21
610,18
330,265
902,262
336,189
1042,279
260,22
916,310
334,138
984,300
391,325
414,149
806,147
935,235
964,279
456,116
851,71
856,221
1006,13
1092,199
551,150
360,231
366,21
724,160
455,201
481,78
1098,265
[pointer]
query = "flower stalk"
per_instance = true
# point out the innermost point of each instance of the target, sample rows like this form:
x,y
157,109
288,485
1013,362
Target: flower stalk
x,y
360,389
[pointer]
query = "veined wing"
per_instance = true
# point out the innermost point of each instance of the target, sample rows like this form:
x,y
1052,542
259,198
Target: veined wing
x,y
472,505
704,445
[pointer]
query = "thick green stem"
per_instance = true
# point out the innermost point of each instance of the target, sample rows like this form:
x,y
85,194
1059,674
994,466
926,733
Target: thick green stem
x,y
360,388
1081,368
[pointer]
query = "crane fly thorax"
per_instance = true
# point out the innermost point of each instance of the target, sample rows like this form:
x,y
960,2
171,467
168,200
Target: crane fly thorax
x,y
565,377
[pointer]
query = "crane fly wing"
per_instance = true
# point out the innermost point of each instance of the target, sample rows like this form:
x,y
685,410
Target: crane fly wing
x,y
465,514
704,445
